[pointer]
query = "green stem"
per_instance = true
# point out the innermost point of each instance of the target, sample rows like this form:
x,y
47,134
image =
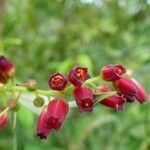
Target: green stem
x,y
14,132
25,90
48,92
14,140
91,80
104,96
4,111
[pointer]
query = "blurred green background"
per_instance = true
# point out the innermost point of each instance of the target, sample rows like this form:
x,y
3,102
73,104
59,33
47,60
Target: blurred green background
x,y
45,36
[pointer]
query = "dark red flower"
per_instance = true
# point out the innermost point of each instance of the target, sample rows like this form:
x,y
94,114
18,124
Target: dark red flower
x,y
126,87
3,120
57,82
142,95
115,102
56,113
78,75
84,98
6,67
42,130
112,72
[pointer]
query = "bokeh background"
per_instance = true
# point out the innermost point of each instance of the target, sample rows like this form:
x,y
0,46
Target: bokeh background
x,y
45,36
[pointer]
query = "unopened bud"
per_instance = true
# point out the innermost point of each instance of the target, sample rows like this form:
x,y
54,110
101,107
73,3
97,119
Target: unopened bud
x,y
32,85
13,105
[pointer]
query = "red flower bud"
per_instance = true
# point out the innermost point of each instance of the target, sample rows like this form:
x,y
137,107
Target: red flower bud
x,y
56,113
142,95
115,102
112,72
3,120
126,87
6,67
84,98
42,130
57,82
78,75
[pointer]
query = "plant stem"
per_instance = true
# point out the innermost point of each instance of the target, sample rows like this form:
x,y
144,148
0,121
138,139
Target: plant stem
x,y
91,80
25,90
14,140
104,96
14,132
4,111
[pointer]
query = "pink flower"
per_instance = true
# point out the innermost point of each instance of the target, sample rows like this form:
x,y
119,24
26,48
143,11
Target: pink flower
x,y
78,76
56,113
115,102
112,72
126,87
84,98
142,95
42,130
57,82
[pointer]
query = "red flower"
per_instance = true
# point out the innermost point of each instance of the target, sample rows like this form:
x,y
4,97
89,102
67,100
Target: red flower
x,y
126,87
56,113
3,120
78,75
6,67
112,72
84,98
57,82
142,95
42,130
115,102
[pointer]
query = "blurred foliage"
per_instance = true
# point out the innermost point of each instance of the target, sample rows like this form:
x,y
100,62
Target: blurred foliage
x,y
42,37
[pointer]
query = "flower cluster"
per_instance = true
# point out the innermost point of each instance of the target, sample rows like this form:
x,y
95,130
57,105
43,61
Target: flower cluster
x,y
127,88
85,97
86,91
55,113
